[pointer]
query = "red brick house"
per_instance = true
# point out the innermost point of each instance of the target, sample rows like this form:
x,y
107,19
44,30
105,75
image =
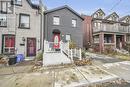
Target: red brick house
x,y
106,31
87,31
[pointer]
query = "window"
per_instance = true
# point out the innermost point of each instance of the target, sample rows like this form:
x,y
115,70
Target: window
x,y
6,7
68,37
74,22
24,21
100,15
108,39
18,2
114,18
3,20
9,7
127,20
56,20
9,44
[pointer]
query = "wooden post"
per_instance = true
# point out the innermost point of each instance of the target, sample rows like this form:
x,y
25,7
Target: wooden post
x,y
45,42
115,40
80,51
61,46
101,36
71,54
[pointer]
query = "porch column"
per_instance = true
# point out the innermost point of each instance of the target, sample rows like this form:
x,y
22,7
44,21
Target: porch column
x,y
115,40
124,40
101,43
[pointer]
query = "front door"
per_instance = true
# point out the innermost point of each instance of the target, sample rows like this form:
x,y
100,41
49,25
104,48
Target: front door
x,y
31,47
56,40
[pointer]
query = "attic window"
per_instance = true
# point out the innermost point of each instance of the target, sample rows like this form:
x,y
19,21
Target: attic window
x,y
127,20
18,2
114,18
100,15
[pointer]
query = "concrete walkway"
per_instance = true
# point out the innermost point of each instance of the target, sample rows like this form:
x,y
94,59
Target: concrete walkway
x,y
121,69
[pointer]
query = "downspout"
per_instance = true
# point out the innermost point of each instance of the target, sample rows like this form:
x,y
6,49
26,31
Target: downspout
x,y
41,32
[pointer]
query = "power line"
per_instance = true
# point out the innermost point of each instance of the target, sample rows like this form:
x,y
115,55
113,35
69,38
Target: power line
x,y
115,5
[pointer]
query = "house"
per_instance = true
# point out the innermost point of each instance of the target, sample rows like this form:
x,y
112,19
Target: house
x,y
63,23
87,31
109,31
21,27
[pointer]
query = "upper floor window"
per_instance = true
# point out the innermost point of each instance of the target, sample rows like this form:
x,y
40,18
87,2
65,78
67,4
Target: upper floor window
x,y
127,20
56,20
100,15
6,7
18,2
24,21
3,20
114,18
74,22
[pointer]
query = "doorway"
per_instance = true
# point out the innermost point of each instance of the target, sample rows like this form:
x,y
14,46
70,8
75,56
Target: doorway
x,y
31,47
56,40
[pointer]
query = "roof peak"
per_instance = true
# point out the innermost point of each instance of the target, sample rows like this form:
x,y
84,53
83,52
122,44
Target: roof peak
x,y
62,7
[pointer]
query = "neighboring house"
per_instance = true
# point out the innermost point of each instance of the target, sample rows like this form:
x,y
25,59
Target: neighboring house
x,y
109,31
63,23
21,27
87,31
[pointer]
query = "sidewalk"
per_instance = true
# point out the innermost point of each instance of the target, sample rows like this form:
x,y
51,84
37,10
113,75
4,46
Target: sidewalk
x,y
64,77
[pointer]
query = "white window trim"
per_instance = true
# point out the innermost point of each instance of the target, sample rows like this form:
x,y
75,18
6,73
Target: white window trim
x,y
56,20
74,22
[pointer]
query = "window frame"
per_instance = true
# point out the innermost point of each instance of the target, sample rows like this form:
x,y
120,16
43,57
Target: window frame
x,y
6,7
75,22
17,3
3,44
58,20
6,21
22,14
70,37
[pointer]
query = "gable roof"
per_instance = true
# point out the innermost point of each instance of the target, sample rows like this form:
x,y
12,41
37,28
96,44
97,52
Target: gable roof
x,y
111,14
63,7
98,11
121,19
34,6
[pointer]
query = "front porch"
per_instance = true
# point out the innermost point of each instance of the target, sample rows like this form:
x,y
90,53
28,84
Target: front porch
x,y
56,53
109,40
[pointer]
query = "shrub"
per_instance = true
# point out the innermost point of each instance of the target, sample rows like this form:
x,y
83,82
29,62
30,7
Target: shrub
x,y
39,56
72,45
83,54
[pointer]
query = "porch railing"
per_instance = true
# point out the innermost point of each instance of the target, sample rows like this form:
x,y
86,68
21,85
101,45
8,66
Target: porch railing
x,y
111,29
63,48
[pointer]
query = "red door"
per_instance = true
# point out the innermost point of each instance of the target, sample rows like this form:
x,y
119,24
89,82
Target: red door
x,y
56,40
31,47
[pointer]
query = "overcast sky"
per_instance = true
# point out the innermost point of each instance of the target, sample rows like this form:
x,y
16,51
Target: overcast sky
x,y
89,6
